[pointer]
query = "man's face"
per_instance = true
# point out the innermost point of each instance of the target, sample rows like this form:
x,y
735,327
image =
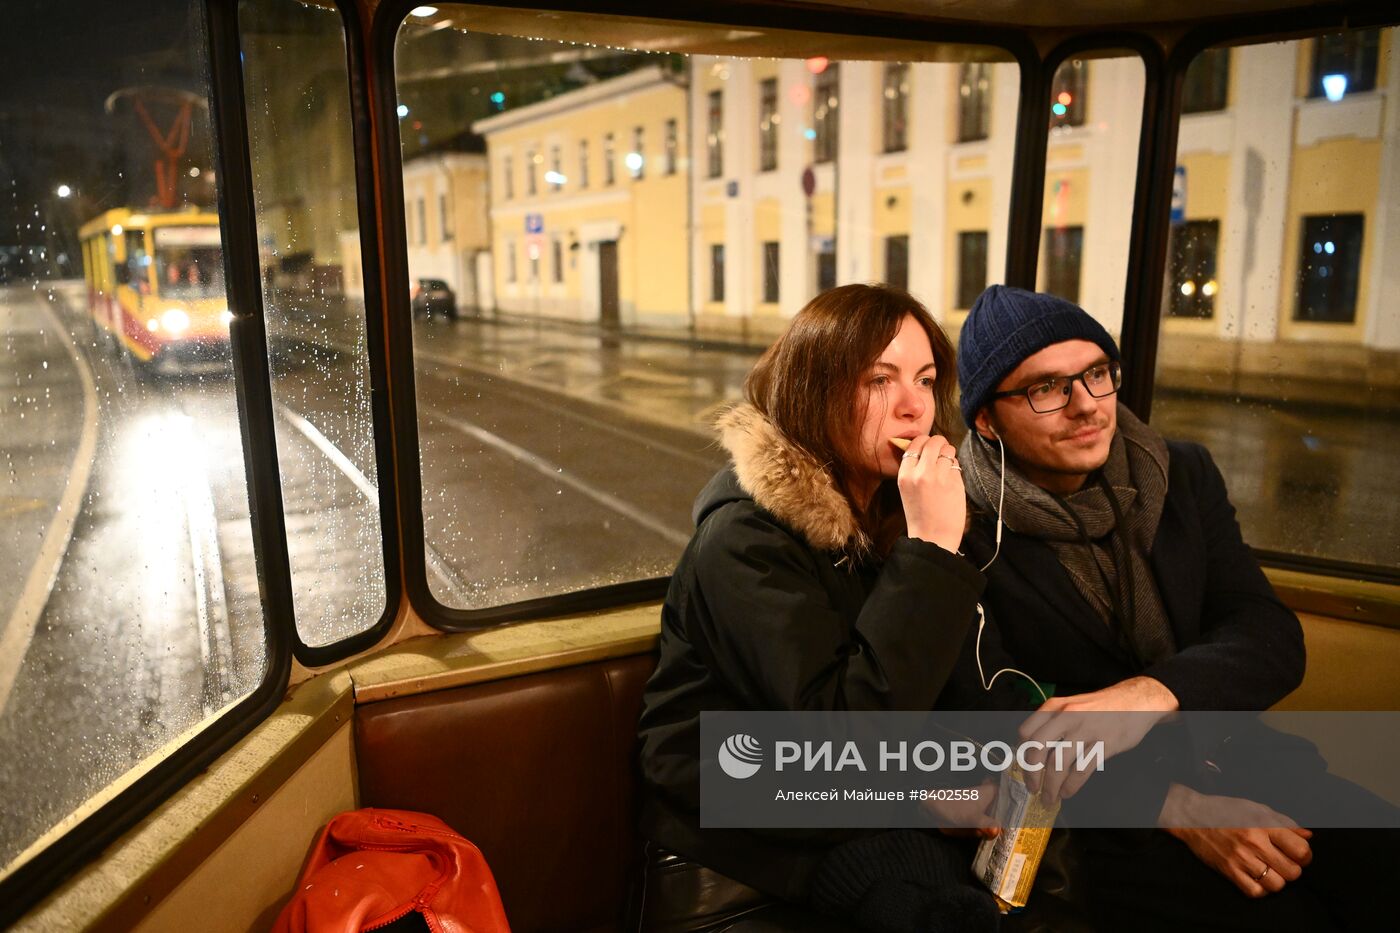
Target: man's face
x,y
1055,450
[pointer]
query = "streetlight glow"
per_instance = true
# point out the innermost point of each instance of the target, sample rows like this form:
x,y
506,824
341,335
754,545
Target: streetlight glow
x,y
63,191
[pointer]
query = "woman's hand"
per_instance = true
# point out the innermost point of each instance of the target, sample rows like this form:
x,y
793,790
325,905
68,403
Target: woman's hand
x,y
930,483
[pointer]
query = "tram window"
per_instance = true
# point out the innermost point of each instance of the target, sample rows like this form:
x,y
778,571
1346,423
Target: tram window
x,y
130,615
315,319
1090,177
565,455
1289,374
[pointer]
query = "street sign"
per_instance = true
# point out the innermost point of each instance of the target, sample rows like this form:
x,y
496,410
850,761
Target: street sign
x,y
534,223
1179,195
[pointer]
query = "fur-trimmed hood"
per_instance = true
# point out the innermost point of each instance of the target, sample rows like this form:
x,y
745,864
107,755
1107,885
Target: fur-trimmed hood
x,y
787,482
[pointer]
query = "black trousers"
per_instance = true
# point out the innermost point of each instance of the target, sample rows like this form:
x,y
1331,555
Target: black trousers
x,y
677,895
1148,880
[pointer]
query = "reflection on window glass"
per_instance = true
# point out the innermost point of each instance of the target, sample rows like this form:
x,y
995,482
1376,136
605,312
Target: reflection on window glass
x,y
972,266
1090,176
1287,372
561,448
1192,280
1344,63
129,600
297,98
1067,93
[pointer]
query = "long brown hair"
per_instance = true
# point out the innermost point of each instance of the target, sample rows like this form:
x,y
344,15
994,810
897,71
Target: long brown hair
x,y
809,382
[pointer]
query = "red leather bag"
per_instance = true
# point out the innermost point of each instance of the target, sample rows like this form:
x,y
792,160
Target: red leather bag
x,y
371,867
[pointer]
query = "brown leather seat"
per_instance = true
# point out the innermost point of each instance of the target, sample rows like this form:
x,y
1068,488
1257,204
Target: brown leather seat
x,y
540,771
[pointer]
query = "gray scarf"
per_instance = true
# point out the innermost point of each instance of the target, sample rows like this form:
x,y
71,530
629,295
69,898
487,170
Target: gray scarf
x,y
1110,569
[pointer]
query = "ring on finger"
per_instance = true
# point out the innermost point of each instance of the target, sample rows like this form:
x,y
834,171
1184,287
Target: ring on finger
x,y
910,456
952,460
1260,877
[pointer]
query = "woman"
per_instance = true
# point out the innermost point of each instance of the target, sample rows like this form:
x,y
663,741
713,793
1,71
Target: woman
x,y
823,575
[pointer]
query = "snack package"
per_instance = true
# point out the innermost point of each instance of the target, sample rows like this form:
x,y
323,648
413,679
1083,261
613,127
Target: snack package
x,y
1007,864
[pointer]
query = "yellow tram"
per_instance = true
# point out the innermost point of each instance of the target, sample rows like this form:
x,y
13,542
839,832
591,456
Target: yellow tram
x,y
155,283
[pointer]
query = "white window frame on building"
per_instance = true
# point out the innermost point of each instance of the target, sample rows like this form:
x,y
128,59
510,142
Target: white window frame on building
x,y
1354,53
826,114
771,262
894,106
1072,78
1329,267
974,101
897,260
714,136
1206,86
971,268
768,124
637,167
716,272
1062,260
1192,277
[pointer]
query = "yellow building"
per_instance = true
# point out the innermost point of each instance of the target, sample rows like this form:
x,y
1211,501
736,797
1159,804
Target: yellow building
x,y
586,192
445,196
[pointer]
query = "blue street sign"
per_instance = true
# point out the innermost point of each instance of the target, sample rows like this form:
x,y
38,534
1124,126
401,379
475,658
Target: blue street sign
x,y
1179,195
534,223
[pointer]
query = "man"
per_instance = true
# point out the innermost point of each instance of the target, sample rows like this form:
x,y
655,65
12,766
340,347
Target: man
x,y
1121,582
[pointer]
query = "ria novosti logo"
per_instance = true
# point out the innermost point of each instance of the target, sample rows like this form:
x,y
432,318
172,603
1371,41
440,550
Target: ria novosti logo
x,y
740,756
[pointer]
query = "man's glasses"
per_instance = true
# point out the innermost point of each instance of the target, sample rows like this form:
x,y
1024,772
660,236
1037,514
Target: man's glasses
x,y
1101,379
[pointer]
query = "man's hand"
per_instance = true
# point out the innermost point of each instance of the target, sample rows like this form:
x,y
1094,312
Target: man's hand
x,y
1258,860
1057,720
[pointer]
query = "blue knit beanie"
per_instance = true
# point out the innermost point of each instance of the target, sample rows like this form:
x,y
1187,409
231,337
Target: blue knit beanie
x,y
1005,326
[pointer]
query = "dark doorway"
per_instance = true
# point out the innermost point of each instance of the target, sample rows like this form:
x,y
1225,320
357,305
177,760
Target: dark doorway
x,y
608,311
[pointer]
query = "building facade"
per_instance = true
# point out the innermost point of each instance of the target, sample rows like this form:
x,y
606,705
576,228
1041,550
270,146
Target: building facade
x,y
589,204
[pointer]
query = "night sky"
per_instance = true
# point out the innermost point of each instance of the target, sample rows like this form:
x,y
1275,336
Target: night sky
x,y
58,64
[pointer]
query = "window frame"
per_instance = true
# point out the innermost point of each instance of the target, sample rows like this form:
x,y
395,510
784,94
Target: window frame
x,y
894,109
826,146
768,125
977,128
714,134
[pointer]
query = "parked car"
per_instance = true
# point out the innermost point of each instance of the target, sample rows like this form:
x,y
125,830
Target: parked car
x,y
434,296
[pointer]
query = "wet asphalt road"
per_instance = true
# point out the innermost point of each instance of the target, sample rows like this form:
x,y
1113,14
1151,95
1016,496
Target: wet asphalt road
x,y
551,461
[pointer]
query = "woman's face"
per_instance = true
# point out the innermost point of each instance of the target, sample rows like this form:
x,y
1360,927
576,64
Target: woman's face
x,y
896,400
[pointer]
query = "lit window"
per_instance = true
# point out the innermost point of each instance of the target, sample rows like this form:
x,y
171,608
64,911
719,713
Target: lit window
x,y
1329,267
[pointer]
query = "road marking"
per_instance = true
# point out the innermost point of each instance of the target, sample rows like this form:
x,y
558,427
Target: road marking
x,y
634,436
19,631
457,590
20,506
557,473
211,607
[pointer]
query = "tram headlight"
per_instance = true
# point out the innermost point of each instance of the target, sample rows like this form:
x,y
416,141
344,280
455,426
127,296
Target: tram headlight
x,y
175,321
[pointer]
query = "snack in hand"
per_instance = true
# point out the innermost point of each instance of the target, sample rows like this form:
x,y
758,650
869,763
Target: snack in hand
x,y
901,442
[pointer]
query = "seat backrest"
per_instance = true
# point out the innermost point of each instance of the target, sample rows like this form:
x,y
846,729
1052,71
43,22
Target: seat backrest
x,y
540,771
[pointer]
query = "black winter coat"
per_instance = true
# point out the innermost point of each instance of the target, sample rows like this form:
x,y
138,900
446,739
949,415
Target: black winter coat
x,y
773,608
1238,646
